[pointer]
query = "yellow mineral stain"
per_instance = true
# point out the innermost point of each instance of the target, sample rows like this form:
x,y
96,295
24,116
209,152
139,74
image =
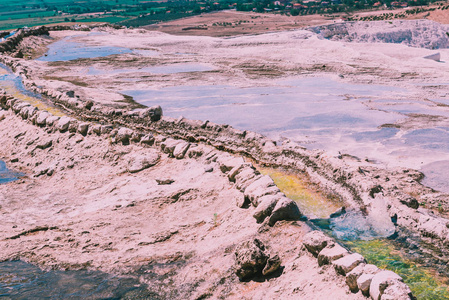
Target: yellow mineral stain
x,y
310,203
11,90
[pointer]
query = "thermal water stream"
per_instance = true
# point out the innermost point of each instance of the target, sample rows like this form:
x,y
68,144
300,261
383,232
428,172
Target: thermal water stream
x,y
361,234
13,85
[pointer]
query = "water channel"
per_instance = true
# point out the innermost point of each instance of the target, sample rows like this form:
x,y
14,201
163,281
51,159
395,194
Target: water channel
x,y
373,238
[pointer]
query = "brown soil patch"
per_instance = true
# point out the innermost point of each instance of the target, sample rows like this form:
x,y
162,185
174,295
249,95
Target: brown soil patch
x,y
230,23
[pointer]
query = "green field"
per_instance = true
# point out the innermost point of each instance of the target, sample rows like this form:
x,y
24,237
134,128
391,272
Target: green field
x,y
15,14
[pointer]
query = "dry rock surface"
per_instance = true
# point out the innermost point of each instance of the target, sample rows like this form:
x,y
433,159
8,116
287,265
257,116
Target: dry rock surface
x,y
135,210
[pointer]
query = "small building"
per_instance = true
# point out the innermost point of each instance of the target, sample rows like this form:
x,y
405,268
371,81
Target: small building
x,y
399,4
299,6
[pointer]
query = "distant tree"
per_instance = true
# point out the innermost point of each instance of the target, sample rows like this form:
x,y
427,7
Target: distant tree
x,y
294,12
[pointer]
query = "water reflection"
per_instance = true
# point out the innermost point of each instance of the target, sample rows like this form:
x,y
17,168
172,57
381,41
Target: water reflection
x,y
64,51
165,69
319,113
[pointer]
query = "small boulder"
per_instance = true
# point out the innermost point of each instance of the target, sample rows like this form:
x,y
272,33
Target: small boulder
x,y
195,151
181,149
41,118
347,263
396,290
51,120
245,178
63,124
285,209
44,144
107,129
261,187
331,253
236,170
136,137
250,259
165,181
73,126
273,264
379,282
95,129
154,113
19,105
356,273
123,136
168,146
228,163
241,201
351,278
147,139
265,207
83,128
410,202
315,241
364,282
141,162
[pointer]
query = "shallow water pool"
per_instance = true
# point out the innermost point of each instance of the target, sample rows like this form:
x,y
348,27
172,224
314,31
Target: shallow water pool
x,y
20,280
65,50
165,69
320,113
7,175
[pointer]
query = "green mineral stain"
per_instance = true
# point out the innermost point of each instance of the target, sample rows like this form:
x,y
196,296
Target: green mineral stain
x,y
424,282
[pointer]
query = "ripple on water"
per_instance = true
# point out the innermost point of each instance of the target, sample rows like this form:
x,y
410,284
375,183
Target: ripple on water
x,y
20,280
318,113
7,175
